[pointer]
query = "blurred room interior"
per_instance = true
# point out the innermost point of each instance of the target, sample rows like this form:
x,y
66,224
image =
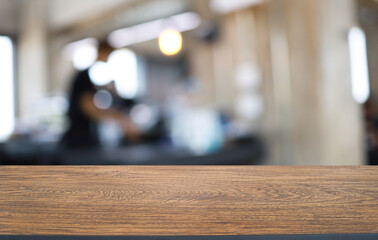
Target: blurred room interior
x,y
206,82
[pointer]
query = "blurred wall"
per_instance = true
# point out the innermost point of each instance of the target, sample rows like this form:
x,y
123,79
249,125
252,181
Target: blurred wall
x,y
317,120
302,52
241,48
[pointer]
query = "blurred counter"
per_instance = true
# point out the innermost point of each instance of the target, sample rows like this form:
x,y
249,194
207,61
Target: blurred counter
x,y
31,153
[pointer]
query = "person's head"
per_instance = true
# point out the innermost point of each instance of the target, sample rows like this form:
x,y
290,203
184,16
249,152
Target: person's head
x,y
104,50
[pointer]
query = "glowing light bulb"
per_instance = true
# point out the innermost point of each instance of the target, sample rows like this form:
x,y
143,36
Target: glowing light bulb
x,y
170,42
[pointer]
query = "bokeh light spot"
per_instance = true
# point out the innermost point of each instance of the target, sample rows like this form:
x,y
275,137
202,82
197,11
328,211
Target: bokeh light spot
x,y
170,42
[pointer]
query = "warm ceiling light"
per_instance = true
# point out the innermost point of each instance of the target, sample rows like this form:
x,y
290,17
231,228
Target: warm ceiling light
x,y
170,42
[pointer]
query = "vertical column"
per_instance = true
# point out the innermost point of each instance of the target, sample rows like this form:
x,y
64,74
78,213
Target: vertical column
x,y
302,32
238,67
32,60
342,141
201,56
316,118
282,143
248,75
224,61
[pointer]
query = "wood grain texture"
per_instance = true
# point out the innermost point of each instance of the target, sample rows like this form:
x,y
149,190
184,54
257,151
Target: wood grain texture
x,y
170,200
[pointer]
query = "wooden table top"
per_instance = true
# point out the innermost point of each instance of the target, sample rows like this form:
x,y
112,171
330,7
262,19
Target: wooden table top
x,y
190,200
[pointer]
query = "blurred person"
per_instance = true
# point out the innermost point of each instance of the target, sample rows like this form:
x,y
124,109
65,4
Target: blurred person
x,y
84,115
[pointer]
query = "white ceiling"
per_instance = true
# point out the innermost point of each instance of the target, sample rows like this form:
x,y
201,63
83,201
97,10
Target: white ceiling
x,y
62,13
65,14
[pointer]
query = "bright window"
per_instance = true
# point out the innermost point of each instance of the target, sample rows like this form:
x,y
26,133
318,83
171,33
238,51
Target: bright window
x,y
359,65
7,118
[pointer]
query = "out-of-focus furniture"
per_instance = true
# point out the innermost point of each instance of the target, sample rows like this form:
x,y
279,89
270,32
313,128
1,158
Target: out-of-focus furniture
x,y
25,152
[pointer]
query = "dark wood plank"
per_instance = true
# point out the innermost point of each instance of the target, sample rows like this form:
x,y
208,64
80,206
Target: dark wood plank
x,y
191,200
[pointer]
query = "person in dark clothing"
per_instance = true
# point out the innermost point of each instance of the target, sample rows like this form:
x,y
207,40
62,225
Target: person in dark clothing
x,y
84,115
82,131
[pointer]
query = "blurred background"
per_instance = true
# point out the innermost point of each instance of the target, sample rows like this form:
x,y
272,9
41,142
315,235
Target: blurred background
x,y
205,82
